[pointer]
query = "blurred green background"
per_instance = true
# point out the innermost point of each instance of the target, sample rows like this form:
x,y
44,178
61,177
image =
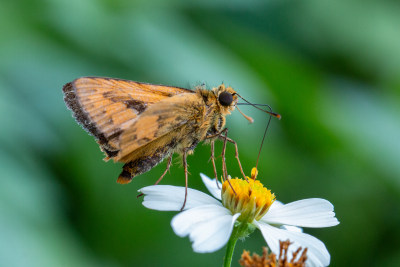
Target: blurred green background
x,y
331,68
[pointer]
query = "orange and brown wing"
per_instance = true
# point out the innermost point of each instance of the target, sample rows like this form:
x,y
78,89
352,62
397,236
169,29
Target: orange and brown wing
x,y
105,107
168,126
175,117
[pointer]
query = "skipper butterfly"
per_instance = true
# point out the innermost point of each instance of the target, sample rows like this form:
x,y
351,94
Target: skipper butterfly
x,y
140,124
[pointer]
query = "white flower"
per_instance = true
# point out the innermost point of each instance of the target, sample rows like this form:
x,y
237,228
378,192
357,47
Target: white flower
x,y
209,223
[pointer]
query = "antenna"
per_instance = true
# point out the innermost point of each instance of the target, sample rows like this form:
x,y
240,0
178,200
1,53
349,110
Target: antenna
x,y
262,141
276,115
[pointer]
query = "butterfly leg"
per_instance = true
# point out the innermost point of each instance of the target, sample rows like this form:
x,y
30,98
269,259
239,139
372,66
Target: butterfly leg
x,y
219,135
162,176
186,177
224,137
213,162
224,169
166,170
236,153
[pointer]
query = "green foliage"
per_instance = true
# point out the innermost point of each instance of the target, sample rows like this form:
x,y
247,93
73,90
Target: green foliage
x,y
330,68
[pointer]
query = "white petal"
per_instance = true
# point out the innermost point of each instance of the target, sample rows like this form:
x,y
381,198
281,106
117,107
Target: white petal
x,y
292,228
313,212
183,223
209,236
276,205
212,186
317,254
168,197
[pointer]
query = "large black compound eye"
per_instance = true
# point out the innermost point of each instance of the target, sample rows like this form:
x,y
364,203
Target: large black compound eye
x,y
225,98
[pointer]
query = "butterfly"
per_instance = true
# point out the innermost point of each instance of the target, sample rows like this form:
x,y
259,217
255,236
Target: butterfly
x,y
140,124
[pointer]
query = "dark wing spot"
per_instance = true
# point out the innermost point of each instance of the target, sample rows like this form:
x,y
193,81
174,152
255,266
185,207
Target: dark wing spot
x,y
110,153
116,134
117,99
137,105
162,117
108,94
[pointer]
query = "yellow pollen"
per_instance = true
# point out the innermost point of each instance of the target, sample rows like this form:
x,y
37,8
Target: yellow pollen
x,y
254,173
252,199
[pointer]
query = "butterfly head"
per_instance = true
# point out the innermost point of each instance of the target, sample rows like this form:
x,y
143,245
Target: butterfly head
x,y
227,98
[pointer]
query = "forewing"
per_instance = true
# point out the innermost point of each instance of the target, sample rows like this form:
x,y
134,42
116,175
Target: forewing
x,y
105,107
173,117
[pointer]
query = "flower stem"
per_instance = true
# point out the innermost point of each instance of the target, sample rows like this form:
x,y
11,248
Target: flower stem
x,y
230,247
239,231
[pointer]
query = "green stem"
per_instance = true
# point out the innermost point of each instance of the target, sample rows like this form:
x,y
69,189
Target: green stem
x,y
231,247
238,231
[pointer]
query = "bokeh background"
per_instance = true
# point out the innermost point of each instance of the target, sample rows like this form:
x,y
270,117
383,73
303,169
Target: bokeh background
x,y
331,68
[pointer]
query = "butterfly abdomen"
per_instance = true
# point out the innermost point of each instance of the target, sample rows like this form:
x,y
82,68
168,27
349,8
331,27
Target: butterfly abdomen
x,y
140,165
147,157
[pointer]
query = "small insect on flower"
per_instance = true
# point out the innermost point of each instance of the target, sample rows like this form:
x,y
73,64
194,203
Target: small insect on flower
x,y
140,124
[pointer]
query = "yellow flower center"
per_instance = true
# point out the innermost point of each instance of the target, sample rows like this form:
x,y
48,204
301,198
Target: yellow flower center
x,y
250,198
